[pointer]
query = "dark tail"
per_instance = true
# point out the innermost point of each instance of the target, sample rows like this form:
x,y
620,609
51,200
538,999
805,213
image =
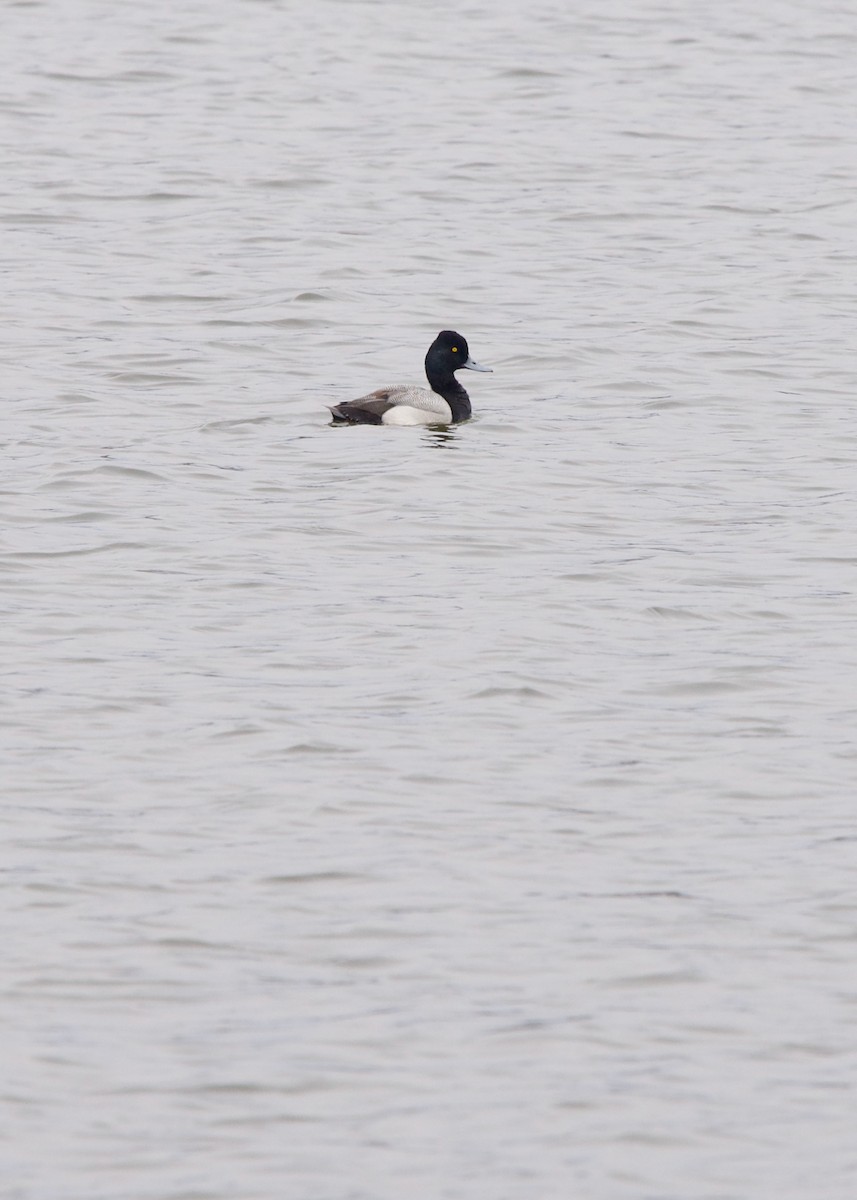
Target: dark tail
x,y
350,414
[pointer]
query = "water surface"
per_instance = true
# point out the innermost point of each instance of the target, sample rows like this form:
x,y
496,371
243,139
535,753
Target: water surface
x,y
441,814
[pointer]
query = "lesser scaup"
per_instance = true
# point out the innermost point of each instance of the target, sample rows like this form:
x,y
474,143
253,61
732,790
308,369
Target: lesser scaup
x,y
446,404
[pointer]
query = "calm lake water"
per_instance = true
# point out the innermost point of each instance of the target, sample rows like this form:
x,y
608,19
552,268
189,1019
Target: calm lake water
x,y
399,813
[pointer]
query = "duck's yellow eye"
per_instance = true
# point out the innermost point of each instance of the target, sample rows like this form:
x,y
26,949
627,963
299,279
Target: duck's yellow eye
x,y
454,349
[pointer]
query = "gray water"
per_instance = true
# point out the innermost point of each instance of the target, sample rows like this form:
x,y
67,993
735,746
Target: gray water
x,y
440,815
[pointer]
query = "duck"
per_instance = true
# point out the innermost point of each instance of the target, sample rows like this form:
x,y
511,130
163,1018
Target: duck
x,y
446,404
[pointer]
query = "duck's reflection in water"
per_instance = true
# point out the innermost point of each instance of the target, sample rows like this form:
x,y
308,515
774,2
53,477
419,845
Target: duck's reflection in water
x,y
443,437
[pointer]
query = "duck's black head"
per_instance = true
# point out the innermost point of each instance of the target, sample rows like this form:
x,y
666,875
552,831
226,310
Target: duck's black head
x,y
448,353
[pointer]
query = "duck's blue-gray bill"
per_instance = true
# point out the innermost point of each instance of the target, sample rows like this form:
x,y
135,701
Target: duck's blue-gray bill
x,y
475,366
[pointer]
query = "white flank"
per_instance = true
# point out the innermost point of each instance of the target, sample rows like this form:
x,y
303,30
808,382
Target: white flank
x,y
403,414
